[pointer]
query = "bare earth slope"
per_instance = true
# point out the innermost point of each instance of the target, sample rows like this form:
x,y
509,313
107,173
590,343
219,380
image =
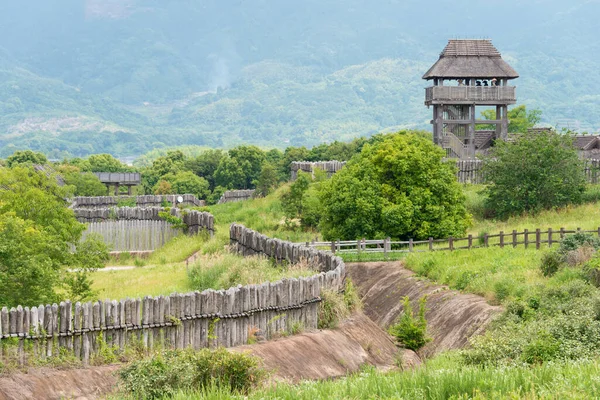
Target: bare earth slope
x,y
310,355
331,353
46,383
452,317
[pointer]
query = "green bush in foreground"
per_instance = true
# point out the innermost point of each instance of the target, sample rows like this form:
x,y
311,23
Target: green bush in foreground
x,y
165,373
411,330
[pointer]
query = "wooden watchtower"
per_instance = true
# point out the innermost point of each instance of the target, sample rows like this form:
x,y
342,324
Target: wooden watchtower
x,y
469,73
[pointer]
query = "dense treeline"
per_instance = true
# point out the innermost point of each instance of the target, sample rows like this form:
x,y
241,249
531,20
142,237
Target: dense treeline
x,y
206,173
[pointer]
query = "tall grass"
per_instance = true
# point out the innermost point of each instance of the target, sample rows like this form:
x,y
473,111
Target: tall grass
x,y
494,273
222,271
264,215
140,282
585,216
440,379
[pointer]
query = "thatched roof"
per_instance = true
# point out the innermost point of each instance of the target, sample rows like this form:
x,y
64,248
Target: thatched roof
x,y
470,58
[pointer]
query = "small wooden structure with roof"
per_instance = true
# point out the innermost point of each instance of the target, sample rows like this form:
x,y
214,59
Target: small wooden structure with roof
x,y
469,73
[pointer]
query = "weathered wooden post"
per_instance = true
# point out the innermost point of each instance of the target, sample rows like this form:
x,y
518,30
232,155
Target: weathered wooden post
x,y
514,238
470,241
562,233
333,247
501,239
486,240
385,250
538,235
451,243
549,237
410,245
431,242
526,238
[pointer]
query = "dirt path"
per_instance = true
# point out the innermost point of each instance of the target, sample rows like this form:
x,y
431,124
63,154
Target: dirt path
x,y
452,317
310,355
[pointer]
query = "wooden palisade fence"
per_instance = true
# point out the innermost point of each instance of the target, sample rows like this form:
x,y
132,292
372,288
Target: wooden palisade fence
x,y
196,320
232,196
536,238
140,201
133,235
467,171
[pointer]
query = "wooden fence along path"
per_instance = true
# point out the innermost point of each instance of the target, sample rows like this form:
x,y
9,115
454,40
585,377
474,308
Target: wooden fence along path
x,y
195,320
133,235
527,238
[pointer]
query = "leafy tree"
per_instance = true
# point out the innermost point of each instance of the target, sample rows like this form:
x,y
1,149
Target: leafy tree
x,y
83,184
163,187
215,196
39,238
267,179
229,174
311,202
340,151
205,165
105,163
398,187
291,200
171,163
250,160
274,156
536,171
519,119
189,183
26,157
290,155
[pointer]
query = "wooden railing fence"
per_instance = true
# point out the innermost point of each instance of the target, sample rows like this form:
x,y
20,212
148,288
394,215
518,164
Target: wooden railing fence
x,y
527,238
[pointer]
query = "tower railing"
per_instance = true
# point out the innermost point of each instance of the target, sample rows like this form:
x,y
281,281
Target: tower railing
x,y
471,93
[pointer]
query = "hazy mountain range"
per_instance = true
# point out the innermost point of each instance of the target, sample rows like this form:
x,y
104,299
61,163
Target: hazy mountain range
x,y
126,76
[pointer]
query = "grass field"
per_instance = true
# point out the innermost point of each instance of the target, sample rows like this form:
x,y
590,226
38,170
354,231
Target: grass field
x,y
585,216
440,379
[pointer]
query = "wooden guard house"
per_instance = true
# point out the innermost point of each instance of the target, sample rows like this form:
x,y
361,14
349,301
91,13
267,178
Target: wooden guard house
x,y
469,73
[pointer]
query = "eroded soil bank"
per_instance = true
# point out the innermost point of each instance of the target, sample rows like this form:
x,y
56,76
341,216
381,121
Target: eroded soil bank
x,y
310,355
452,317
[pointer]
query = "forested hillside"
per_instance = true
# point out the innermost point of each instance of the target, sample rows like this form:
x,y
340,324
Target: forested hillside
x,y
126,76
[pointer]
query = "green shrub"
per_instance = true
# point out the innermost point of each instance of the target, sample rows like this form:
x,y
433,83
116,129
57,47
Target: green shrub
x,y
126,202
335,307
411,330
551,263
351,297
544,348
139,262
577,240
551,177
168,372
332,310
